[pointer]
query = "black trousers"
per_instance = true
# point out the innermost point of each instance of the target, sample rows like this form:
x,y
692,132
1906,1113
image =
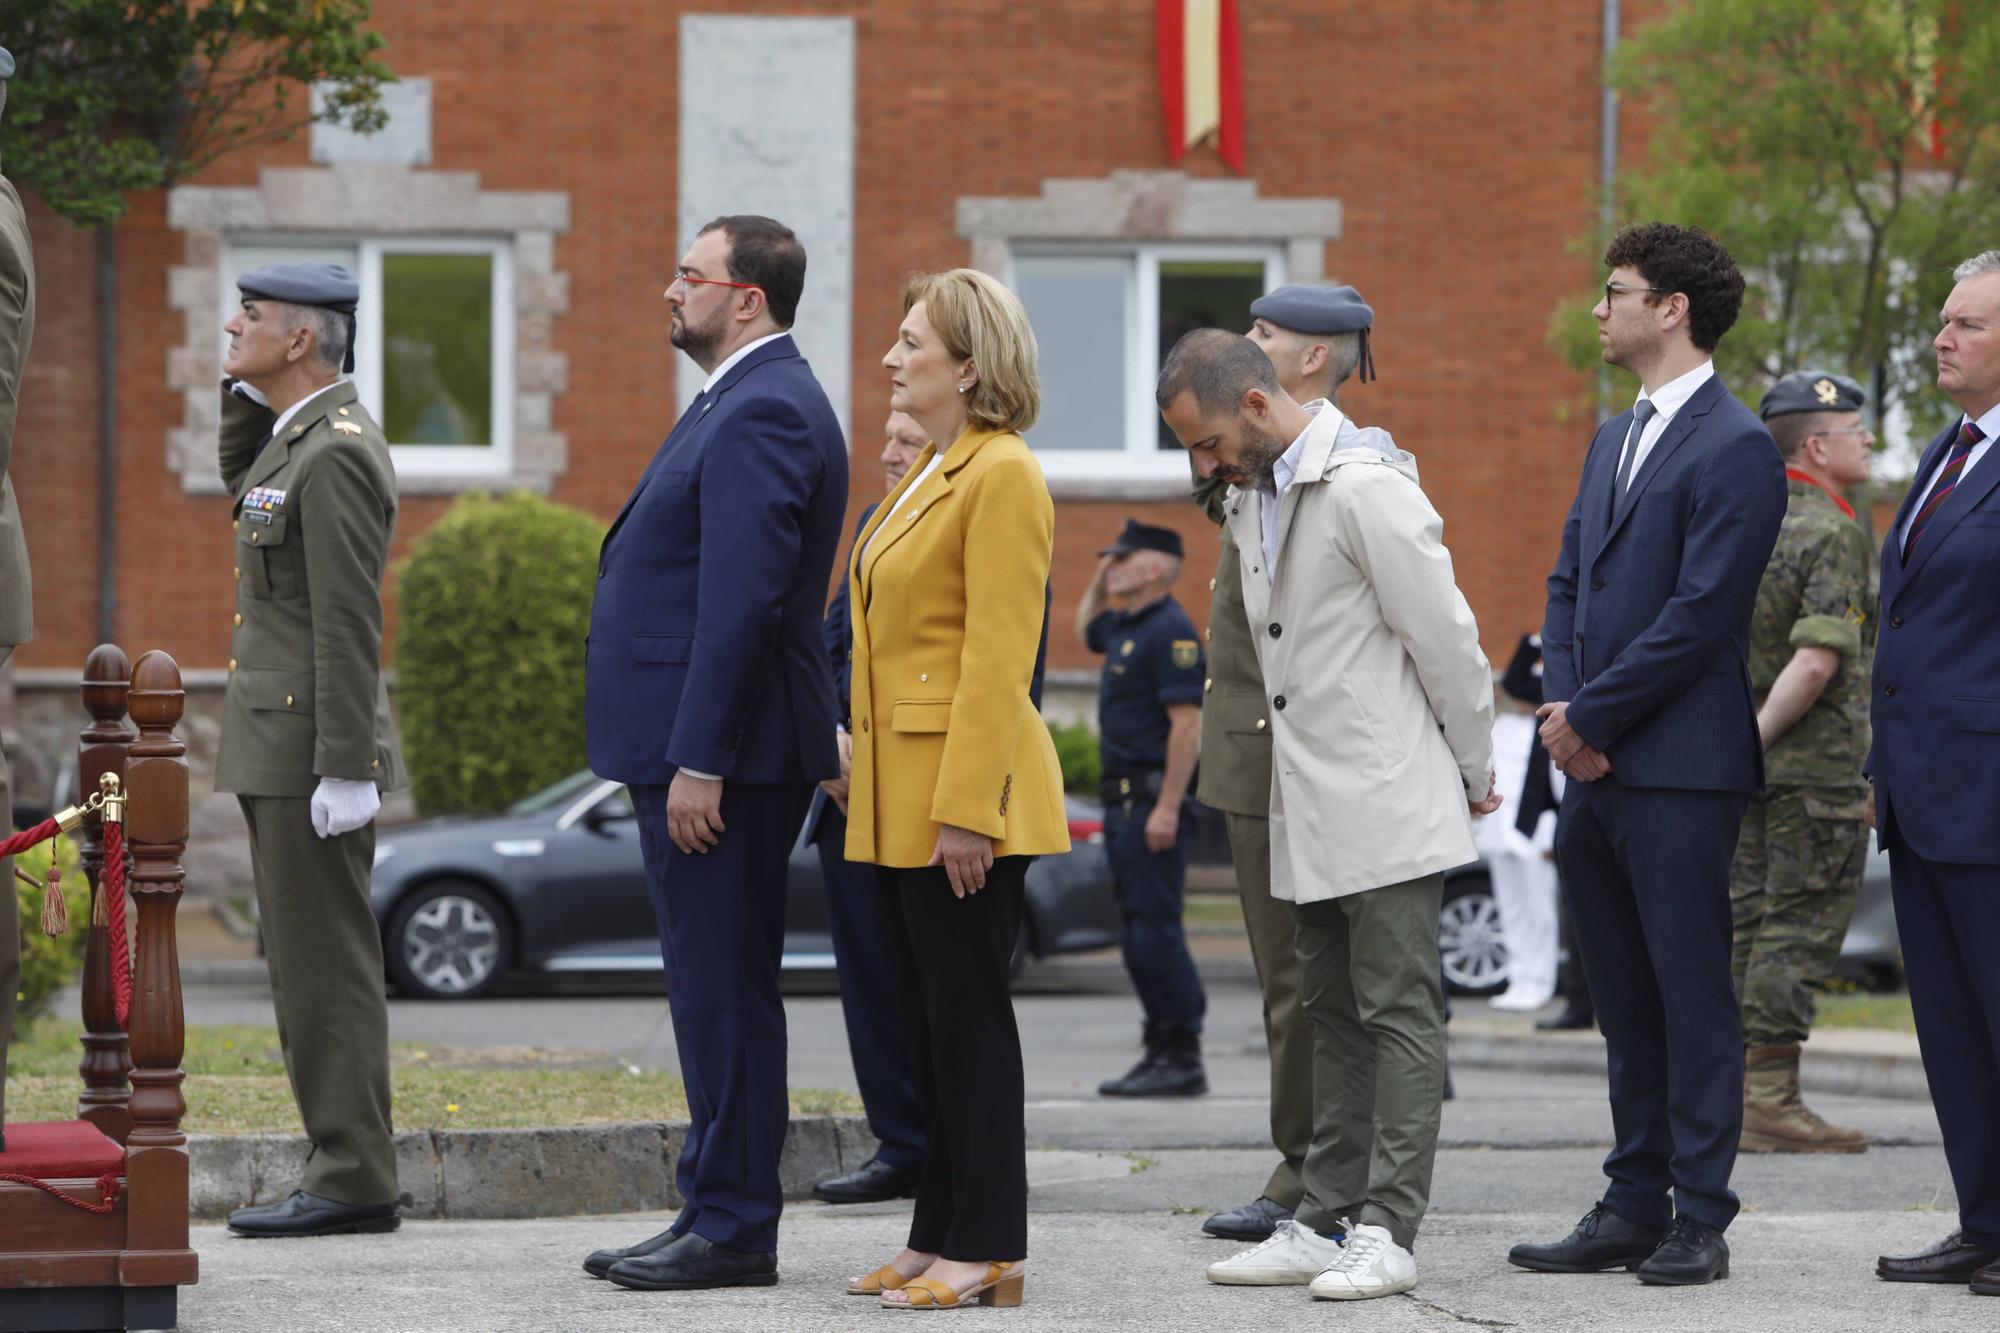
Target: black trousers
x,y
949,957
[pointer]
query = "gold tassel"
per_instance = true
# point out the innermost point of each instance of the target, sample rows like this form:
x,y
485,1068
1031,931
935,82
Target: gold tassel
x,y
100,913
55,912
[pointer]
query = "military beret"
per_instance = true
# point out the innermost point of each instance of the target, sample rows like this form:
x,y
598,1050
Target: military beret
x,y
1812,391
1145,537
307,282
6,63
1313,308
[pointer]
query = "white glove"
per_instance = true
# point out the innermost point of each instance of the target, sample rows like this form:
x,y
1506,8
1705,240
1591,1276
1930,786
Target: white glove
x,y
342,805
250,393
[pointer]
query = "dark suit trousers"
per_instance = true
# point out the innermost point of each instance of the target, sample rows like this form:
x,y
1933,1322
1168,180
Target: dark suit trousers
x,y
1949,919
722,932
951,959
1645,873
868,998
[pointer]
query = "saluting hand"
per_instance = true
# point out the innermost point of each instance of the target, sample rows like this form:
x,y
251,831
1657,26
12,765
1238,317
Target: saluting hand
x,y
694,812
966,857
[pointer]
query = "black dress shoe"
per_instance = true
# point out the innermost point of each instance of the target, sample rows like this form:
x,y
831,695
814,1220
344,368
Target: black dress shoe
x,y
1986,1282
1693,1255
599,1263
306,1214
692,1263
1571,1019
1601,1240
873,1183
1953,1259
1253,1221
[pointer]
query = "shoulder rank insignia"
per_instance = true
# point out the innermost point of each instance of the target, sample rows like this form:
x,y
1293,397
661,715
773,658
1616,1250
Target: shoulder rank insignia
x,y
347,428
1125,648
1186,653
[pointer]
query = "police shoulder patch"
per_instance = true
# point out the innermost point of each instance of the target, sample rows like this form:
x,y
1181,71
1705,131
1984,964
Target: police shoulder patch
x,y
1186,653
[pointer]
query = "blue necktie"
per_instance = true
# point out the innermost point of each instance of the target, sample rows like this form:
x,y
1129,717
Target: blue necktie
x,y
1643,411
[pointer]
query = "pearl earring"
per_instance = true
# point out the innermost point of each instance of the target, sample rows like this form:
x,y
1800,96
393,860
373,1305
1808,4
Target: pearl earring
x,y
965,388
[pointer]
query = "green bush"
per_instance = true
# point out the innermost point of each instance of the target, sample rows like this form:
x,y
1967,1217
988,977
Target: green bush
x,y
493,606
48,965
1076,750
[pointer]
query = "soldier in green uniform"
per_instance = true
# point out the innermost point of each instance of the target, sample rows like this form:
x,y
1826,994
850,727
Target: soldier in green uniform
x,y
1804,843
17,611
307,741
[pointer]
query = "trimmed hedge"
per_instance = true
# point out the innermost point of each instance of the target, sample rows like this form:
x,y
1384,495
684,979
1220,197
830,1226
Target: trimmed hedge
x,y
1076,751
493,606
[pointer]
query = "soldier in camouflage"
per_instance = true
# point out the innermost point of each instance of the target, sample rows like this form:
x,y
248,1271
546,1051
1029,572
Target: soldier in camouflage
x,y
1800,855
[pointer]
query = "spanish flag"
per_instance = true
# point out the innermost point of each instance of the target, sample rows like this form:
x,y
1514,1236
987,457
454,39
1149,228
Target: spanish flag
x,y
1201,77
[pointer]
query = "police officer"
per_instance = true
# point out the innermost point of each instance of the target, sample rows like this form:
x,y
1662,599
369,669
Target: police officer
x,y
1804,843
307,742
1149,729
17,614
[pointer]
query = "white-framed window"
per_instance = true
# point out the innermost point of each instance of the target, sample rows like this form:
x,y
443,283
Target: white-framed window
x,y
434,346
1104,318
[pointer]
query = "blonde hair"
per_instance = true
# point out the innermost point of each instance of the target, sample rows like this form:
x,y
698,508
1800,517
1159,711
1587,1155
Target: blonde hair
x,y
981,321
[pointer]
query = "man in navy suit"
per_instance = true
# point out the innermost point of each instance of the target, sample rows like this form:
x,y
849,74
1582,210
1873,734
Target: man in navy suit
x,y
707,693
1649,713
867,1000
1935,772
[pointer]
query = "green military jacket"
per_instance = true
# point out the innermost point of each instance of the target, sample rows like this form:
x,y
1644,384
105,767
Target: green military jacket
x,y
17,330
314,514
1235,728
1819,592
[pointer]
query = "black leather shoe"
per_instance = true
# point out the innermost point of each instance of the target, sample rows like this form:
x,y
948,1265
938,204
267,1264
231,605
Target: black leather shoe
x,y
1986,1282
306,1214
1172,1068
1601,1240
1253,1221
692,1263
1953,1259
1571,1019
1693,1255
599,1263
873,1183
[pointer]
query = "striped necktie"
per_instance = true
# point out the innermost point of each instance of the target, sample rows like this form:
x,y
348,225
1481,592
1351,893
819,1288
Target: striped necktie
x,y
1947,481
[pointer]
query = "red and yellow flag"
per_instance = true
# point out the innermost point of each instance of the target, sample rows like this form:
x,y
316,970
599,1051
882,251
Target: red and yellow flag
x,y
1201,77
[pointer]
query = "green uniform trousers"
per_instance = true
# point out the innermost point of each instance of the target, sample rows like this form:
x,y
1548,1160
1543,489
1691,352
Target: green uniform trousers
x,y
325,955
1269,924
10,924
1797,873
1373,993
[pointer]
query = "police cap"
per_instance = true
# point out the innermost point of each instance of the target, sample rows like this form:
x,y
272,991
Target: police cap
x,y
1812,391
1139,536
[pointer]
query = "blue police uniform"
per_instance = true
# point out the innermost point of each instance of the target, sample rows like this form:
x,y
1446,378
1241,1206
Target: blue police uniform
x,y
1153,658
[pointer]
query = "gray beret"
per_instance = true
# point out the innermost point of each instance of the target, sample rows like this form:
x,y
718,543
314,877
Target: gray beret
x,y
1812,391
307,282
1310,308
6,63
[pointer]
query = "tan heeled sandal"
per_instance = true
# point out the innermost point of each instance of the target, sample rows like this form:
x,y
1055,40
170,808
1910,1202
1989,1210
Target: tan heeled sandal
x,y
1003,1288
885,1278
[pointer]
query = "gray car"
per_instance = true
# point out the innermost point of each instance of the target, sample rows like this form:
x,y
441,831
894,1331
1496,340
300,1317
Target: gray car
x,y
555,886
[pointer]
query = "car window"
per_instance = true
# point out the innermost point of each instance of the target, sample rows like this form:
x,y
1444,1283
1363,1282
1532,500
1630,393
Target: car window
x,y
562,793
617,805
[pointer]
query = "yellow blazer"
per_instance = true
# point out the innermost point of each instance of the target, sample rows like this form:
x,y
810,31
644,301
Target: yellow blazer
x,y
947,600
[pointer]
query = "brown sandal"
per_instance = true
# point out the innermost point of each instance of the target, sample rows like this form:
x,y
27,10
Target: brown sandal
x,y
885,1278
1003,1288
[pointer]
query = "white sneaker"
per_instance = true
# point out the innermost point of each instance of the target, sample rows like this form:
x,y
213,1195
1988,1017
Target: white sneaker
x,y
1370,1264
1520,1001
1291,1257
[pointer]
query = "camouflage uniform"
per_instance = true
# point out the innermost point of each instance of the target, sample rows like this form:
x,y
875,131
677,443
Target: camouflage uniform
x,y
1801,852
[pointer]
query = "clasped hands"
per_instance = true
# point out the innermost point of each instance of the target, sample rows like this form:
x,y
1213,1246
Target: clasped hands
x,y
1573,756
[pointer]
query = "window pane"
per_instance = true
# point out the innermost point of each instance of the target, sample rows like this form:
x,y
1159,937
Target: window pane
x,y
437,348
1204,294
1078,306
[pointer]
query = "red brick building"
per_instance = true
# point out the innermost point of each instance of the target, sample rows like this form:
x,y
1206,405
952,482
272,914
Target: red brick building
x,y
546,164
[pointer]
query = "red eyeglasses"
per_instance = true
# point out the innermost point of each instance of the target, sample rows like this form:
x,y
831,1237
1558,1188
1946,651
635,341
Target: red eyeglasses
x,y
687,279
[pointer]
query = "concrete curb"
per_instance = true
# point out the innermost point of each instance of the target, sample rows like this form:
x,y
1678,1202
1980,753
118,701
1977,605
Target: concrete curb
x,y
511,1173
1840,1073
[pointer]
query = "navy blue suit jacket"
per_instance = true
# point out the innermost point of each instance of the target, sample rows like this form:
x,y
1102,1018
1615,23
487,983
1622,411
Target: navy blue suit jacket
x,y
1936,711
1648,624
840,642
705,645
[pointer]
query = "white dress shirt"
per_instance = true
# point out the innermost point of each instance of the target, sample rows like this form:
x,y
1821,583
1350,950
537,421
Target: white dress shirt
x,y
1667,401
1272,495
1988,425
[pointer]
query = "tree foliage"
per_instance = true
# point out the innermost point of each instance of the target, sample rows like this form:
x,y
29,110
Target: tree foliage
x,y
117,95
1846,151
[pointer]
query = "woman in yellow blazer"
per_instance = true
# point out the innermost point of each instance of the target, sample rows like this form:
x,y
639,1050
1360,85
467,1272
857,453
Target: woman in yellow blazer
x,y
955,786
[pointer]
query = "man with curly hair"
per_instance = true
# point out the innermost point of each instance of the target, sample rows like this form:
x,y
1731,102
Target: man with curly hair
x,y
1649,713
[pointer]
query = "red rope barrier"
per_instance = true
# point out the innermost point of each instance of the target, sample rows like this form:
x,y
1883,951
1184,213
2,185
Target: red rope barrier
x,y
107,1191
22,841
113,889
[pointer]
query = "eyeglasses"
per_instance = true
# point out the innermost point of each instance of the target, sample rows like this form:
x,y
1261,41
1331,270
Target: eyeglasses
x,y
1612,291
686,279
1846,430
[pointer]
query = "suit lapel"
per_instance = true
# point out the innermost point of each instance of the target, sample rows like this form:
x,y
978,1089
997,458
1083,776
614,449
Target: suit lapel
x,y
1893,573
696,410
886,529
1965,497
1676,434
1599,476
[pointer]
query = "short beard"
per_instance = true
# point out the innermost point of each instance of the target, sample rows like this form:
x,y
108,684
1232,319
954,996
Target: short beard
x,y
1261,452
700,342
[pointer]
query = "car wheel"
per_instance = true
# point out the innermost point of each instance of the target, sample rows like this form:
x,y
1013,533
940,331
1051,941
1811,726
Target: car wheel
x,y
447,941
1470,944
